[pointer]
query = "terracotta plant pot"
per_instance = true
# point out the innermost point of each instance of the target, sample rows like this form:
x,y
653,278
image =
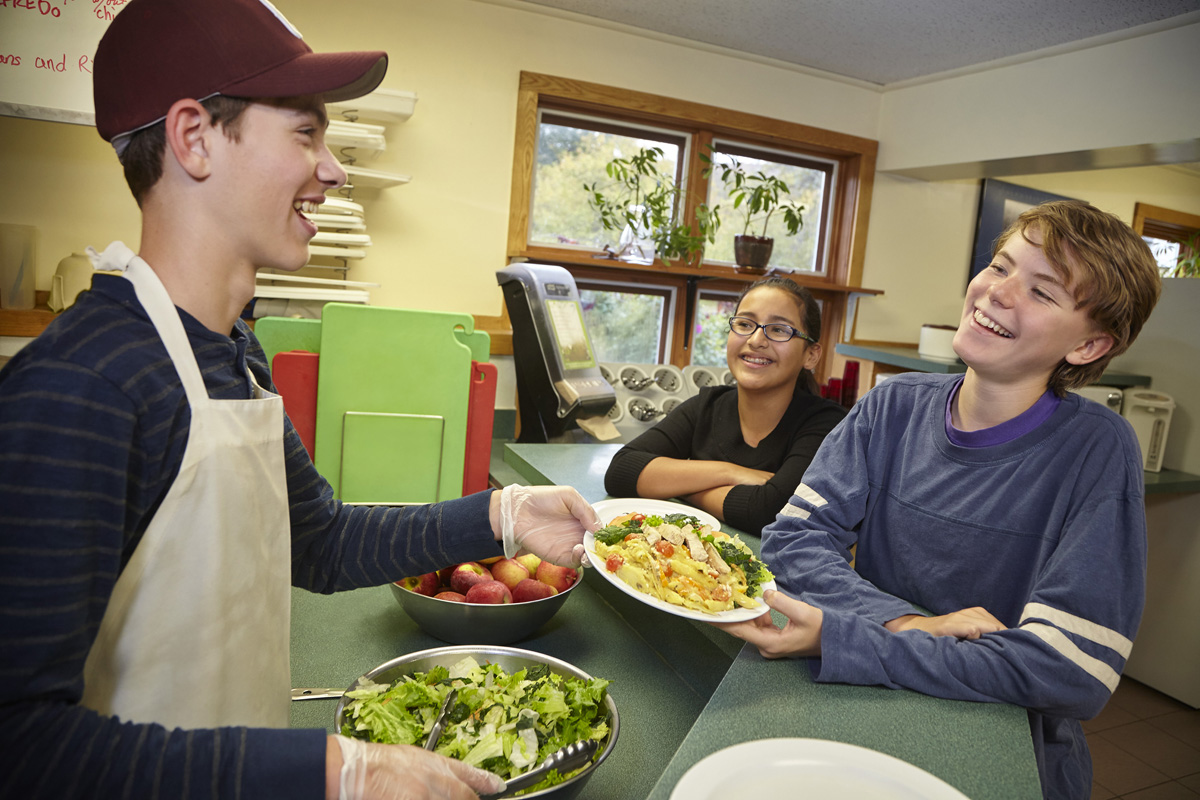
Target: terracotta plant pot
x,y
752,253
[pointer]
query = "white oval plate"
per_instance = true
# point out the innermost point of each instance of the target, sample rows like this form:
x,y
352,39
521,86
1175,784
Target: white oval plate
x,y
611,509
614,507
821,769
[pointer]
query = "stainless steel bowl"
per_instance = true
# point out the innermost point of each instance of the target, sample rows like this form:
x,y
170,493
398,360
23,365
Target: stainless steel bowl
x,y
510,659
476,623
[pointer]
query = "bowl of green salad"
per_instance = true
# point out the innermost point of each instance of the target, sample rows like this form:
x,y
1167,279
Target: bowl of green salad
x,y
513,708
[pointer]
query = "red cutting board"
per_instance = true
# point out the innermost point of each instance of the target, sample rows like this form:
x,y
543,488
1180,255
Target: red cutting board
x,y
480,418
295,377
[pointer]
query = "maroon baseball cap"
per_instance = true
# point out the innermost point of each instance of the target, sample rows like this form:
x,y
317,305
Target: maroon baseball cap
x,y
156,52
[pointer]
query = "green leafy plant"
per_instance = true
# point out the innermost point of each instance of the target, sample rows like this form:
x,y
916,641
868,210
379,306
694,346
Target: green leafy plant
x,y
1188,265
757,195
643,200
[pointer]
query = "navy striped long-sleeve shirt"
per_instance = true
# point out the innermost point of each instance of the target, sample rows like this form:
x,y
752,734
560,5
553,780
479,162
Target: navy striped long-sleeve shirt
x,y
93,425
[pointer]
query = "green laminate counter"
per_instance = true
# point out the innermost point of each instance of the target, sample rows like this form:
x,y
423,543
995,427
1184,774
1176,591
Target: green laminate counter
x,y
907,357
982,749
339,637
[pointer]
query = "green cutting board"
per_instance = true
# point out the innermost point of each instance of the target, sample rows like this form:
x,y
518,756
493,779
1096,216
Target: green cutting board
x,y
385,372
281,334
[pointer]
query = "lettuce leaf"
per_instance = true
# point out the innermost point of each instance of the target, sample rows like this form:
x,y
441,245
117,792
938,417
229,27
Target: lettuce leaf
x,y
505,723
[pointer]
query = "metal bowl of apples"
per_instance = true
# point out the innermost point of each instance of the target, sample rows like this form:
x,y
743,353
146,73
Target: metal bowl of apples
x,y
496,601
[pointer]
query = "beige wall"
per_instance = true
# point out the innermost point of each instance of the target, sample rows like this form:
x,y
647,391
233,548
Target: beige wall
x,y
922,232
439,239
1122,94
65,181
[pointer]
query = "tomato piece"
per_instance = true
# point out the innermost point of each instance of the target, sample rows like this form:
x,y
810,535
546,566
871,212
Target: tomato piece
x,y
639,518
664,548
630,537
613,563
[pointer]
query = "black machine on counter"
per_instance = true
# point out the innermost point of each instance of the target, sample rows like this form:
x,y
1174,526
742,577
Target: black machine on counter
x,y
558,380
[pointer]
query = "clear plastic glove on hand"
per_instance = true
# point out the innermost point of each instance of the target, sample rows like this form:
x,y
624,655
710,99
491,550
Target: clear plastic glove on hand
x,y
404,772
548,521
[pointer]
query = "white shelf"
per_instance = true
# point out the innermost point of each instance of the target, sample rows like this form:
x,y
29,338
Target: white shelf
x,y
333,251
355,135
373,178
306,293
341,229
337,222
341,205
348,239
384,105
342,268
288,278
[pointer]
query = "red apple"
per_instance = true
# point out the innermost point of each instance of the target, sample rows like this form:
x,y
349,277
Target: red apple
x,y
561,578
427,584
489,592
532,589
530,561
444,574
467,575
454,597
510,572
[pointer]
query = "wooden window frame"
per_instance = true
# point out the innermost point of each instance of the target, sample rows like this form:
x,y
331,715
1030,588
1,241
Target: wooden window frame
x,y
599,280
848,213
1164,223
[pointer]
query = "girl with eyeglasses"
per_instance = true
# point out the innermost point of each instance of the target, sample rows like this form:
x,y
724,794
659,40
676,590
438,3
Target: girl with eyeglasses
x,y
738,452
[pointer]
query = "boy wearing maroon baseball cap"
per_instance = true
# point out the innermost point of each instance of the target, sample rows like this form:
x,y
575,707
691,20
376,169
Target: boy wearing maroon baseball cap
x,y
146,605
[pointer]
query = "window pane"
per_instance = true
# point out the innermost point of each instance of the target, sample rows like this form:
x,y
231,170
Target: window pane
x,y
569,155
624,326
807,185
712,328
1166,253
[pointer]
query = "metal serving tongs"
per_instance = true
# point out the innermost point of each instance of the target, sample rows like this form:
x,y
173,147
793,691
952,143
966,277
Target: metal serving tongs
x,y
564,760
316,694
439,724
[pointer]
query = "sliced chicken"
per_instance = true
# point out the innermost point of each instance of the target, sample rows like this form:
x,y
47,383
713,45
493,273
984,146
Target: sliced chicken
x,y
695,546
715,560
671,533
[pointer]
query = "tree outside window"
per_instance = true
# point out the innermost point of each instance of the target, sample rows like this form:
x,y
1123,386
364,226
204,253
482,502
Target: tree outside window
x,y
674,312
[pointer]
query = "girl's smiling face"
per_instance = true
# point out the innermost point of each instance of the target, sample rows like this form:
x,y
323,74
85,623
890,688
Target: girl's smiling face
x,y
758,363
1020,320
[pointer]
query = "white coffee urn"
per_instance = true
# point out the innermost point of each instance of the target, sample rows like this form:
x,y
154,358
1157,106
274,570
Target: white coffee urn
x,y
1109,396
1150,414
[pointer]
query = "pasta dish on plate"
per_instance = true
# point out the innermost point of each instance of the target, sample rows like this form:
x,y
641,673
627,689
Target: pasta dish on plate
x,y
680,561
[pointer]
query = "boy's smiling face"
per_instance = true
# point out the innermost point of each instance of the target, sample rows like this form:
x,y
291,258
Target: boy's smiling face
x,y
275,174
1020,321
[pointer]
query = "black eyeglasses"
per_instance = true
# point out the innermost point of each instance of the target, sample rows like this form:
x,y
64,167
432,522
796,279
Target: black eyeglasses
x,y
775,331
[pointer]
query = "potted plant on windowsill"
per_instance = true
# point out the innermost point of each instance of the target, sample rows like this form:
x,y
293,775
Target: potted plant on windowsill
x,y
1188,265
641,203
758,196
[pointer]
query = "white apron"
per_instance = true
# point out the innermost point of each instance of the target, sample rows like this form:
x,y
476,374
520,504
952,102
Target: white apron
x,y
196,634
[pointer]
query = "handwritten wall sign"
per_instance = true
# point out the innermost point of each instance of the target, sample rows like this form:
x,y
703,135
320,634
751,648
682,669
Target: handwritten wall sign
x,y
46,51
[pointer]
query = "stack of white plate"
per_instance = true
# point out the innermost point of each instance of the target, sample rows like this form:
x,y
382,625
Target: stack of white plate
x,y
341,231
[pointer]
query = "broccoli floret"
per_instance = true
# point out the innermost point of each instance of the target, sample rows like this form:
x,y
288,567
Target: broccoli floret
x,y
683,520
612,534
756,572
